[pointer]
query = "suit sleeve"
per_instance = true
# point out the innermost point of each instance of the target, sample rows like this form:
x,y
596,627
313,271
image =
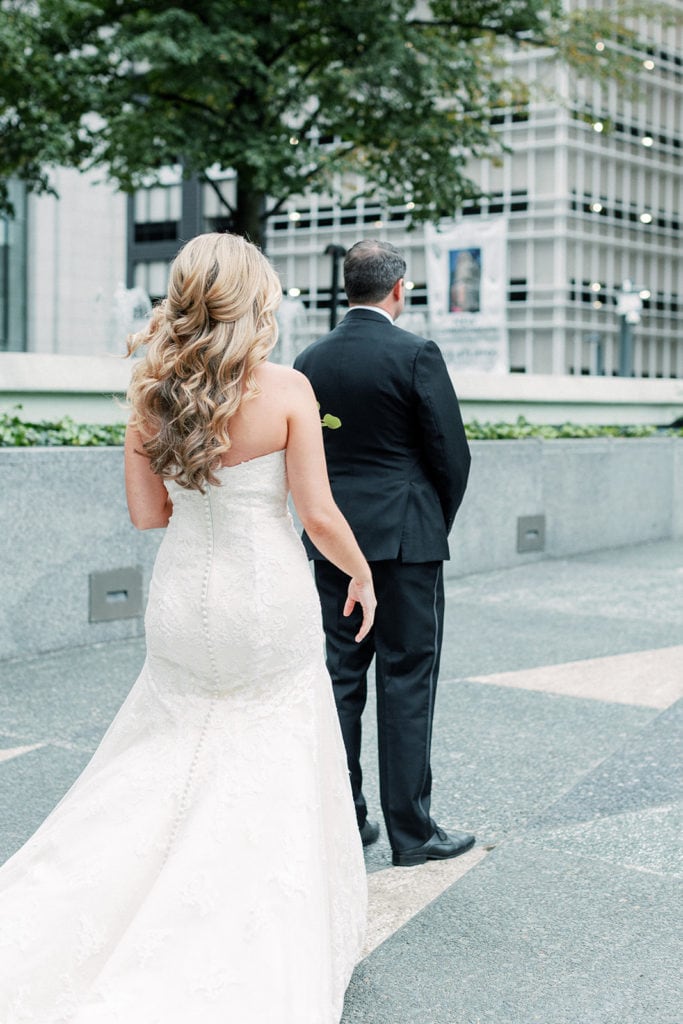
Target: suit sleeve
x,y
444,444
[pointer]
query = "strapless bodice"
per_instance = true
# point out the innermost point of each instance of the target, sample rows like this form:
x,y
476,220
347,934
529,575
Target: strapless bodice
x,y
231,570
257,488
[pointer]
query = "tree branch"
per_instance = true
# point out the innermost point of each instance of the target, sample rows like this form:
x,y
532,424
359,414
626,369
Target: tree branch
x,y
217,189
172,97
305,178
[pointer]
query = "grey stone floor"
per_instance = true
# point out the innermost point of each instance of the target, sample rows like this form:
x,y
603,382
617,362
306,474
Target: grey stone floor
x,y
568,911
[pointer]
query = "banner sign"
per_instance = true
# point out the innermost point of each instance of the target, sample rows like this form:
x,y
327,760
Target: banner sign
x,y
467,290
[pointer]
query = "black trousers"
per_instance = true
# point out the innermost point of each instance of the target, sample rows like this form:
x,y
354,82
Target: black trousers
x,y
406,642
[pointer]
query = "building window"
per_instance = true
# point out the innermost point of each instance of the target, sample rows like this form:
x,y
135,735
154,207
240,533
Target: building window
x,y
156,231
517,291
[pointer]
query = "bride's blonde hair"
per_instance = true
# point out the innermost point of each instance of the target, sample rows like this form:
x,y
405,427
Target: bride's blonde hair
x,y
203,343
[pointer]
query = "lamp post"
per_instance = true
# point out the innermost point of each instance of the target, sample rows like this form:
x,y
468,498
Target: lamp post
x,y
597,354
337,252
629,306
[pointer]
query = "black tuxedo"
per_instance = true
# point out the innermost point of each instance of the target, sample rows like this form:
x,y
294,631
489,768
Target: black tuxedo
x,y
398,468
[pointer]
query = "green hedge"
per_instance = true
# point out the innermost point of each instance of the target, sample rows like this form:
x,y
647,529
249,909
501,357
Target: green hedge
x,y
522,428
18,433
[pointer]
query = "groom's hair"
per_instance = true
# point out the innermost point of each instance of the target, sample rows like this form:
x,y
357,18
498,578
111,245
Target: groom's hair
x,y
371,269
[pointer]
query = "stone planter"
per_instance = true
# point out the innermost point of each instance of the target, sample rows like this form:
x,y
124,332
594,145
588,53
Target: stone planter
x,y
70,557
593,493
63,517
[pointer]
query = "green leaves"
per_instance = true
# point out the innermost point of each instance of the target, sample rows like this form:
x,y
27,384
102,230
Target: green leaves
x,y
294,96
328,420
18,433
521,429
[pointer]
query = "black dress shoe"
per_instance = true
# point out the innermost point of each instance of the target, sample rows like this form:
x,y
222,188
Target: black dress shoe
x,y
369,832
441,846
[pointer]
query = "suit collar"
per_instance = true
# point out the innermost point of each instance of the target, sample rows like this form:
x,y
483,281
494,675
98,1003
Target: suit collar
x,y
363,313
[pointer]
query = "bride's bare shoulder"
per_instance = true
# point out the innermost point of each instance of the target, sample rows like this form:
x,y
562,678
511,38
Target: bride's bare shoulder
x,y
283,378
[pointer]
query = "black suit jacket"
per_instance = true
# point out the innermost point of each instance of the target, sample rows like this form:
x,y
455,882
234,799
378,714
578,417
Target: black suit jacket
x,y
398,465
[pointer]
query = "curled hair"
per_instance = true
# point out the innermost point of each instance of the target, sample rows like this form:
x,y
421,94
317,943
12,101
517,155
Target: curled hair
x,y
203,343
371,269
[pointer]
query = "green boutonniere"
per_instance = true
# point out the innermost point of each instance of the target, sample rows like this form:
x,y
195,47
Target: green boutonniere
x,y
328,420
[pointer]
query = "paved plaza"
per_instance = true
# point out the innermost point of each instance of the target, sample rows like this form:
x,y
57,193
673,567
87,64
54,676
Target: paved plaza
x,y
557,735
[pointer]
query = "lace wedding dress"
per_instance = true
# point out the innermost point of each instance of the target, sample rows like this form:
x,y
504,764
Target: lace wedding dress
x,y
206,867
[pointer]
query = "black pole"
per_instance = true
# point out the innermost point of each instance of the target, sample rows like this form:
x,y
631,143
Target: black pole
x,y
337,252
625,347
4,285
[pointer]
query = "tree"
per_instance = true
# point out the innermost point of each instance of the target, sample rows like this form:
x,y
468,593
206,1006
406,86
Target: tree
x,y
290,95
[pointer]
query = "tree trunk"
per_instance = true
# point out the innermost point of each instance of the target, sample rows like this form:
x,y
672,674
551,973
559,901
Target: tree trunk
x,y
249,219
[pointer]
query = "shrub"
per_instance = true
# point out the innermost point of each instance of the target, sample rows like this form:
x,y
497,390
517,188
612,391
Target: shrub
x,y
18,433
521,428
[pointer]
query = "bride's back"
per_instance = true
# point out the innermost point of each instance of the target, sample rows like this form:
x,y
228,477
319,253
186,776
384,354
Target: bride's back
x,y
260,424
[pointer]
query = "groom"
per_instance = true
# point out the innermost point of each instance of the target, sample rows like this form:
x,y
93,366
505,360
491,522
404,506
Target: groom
x,y
398,468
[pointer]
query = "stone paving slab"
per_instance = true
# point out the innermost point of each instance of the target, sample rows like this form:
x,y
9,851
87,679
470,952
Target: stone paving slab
x,y
556,611
531,935
394,897
63,702
645,840
68,692
9,753
645,772
653,679
566,911
500,756
30,787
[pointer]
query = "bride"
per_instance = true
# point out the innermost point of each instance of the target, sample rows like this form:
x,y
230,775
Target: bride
x,y
206,866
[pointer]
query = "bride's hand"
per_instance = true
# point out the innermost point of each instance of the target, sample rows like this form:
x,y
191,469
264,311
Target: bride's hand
x,y
363,592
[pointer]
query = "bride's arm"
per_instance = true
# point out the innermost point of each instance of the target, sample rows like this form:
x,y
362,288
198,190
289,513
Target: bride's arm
x,y
149,505
315,506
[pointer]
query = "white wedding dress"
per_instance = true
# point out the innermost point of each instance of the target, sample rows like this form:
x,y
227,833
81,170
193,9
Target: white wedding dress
x,y
206,867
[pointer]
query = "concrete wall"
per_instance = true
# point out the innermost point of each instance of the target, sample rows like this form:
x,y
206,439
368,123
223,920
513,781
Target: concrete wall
x,y
594,493
90,389
677,500
63,516
50,386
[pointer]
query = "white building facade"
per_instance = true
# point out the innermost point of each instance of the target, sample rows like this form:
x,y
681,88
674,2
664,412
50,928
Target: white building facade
x,y
589,196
